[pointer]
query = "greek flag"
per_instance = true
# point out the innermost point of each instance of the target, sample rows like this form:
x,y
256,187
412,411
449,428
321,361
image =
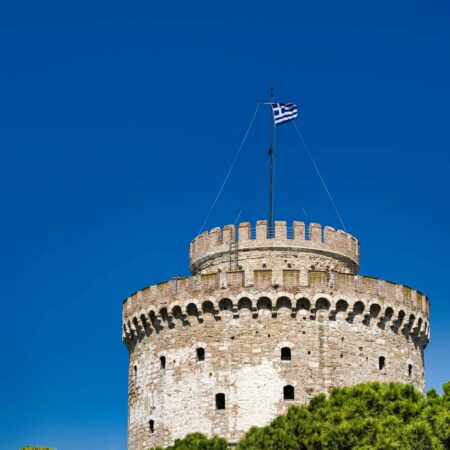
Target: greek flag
x,y
283,112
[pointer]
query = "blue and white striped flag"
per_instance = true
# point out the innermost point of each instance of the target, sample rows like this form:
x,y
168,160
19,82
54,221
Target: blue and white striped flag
x,y
283,112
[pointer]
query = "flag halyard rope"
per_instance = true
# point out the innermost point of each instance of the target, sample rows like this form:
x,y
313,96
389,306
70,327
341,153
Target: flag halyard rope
x,y
308,152
230,169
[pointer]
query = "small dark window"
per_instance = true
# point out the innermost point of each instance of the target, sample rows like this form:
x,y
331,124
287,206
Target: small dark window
x,y
135,374
288,392
285,354
200,354
381,362
162,360
409,370
220,401
151,426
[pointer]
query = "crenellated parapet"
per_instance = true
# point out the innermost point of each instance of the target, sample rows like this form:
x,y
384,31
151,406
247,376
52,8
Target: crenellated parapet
x,y
230,246
162,306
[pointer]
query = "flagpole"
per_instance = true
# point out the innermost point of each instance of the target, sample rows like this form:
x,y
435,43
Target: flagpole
x,y
271,230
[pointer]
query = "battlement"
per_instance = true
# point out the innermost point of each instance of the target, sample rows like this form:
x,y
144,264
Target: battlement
x,y
210,248
179,292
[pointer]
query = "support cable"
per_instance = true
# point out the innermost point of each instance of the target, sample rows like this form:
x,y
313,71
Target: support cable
x,y
308,151
247,207
231,168
298,205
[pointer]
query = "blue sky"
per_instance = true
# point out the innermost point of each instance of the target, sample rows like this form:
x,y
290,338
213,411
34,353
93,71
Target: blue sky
x,y
118,122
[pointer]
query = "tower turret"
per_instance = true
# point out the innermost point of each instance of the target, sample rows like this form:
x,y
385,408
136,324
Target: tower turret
x,y
268,318
295,246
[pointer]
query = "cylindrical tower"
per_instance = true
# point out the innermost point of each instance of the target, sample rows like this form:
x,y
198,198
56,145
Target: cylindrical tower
x,y
265,320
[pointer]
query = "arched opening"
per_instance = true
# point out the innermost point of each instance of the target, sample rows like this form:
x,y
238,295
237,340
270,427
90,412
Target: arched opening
x,y
245,307
264,306
245,302
322,304
226,308
410,369
200,354
284,302
220,401
374,310
303,303
208,308
322,308
177,313
288,392
135,374
285,354
381,363
264,303
151,426
144,321
162,360
387,316
192,310
226,304
341,306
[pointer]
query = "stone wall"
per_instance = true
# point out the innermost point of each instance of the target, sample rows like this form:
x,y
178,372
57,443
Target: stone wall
x,y
336,339
227,330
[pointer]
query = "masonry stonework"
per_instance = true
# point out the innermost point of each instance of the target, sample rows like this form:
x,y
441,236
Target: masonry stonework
x,y
267,319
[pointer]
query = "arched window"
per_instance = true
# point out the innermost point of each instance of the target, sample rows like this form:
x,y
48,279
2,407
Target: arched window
x,y
288,392
285,354
162,360
410,367
151,426
135,374
381,362
200,354
220,401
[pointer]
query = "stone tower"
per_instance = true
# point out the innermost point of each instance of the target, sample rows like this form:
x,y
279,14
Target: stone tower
x,y
265,320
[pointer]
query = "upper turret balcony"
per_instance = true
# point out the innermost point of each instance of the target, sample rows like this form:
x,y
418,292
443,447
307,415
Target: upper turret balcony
x,y
294,246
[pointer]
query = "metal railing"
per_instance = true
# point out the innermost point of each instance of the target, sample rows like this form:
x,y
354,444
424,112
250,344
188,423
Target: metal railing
x,y
271,232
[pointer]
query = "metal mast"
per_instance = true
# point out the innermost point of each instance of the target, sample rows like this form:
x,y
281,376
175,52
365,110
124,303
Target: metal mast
x,y
271,227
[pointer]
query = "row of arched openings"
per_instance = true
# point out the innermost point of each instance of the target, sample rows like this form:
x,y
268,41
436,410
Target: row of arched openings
x,y
286,304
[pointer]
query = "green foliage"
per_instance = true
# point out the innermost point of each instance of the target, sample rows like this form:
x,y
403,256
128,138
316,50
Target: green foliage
x,y
37,448
198,441
371,416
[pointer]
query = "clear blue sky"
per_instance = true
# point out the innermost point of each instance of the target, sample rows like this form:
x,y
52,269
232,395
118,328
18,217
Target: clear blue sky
x,y
118,121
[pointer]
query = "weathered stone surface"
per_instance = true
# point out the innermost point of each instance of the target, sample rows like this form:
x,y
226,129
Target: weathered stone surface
x,y
242,306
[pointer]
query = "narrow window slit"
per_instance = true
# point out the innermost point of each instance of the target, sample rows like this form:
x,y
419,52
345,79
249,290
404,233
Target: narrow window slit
x,y
285,354
220,401
200,354
288,392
